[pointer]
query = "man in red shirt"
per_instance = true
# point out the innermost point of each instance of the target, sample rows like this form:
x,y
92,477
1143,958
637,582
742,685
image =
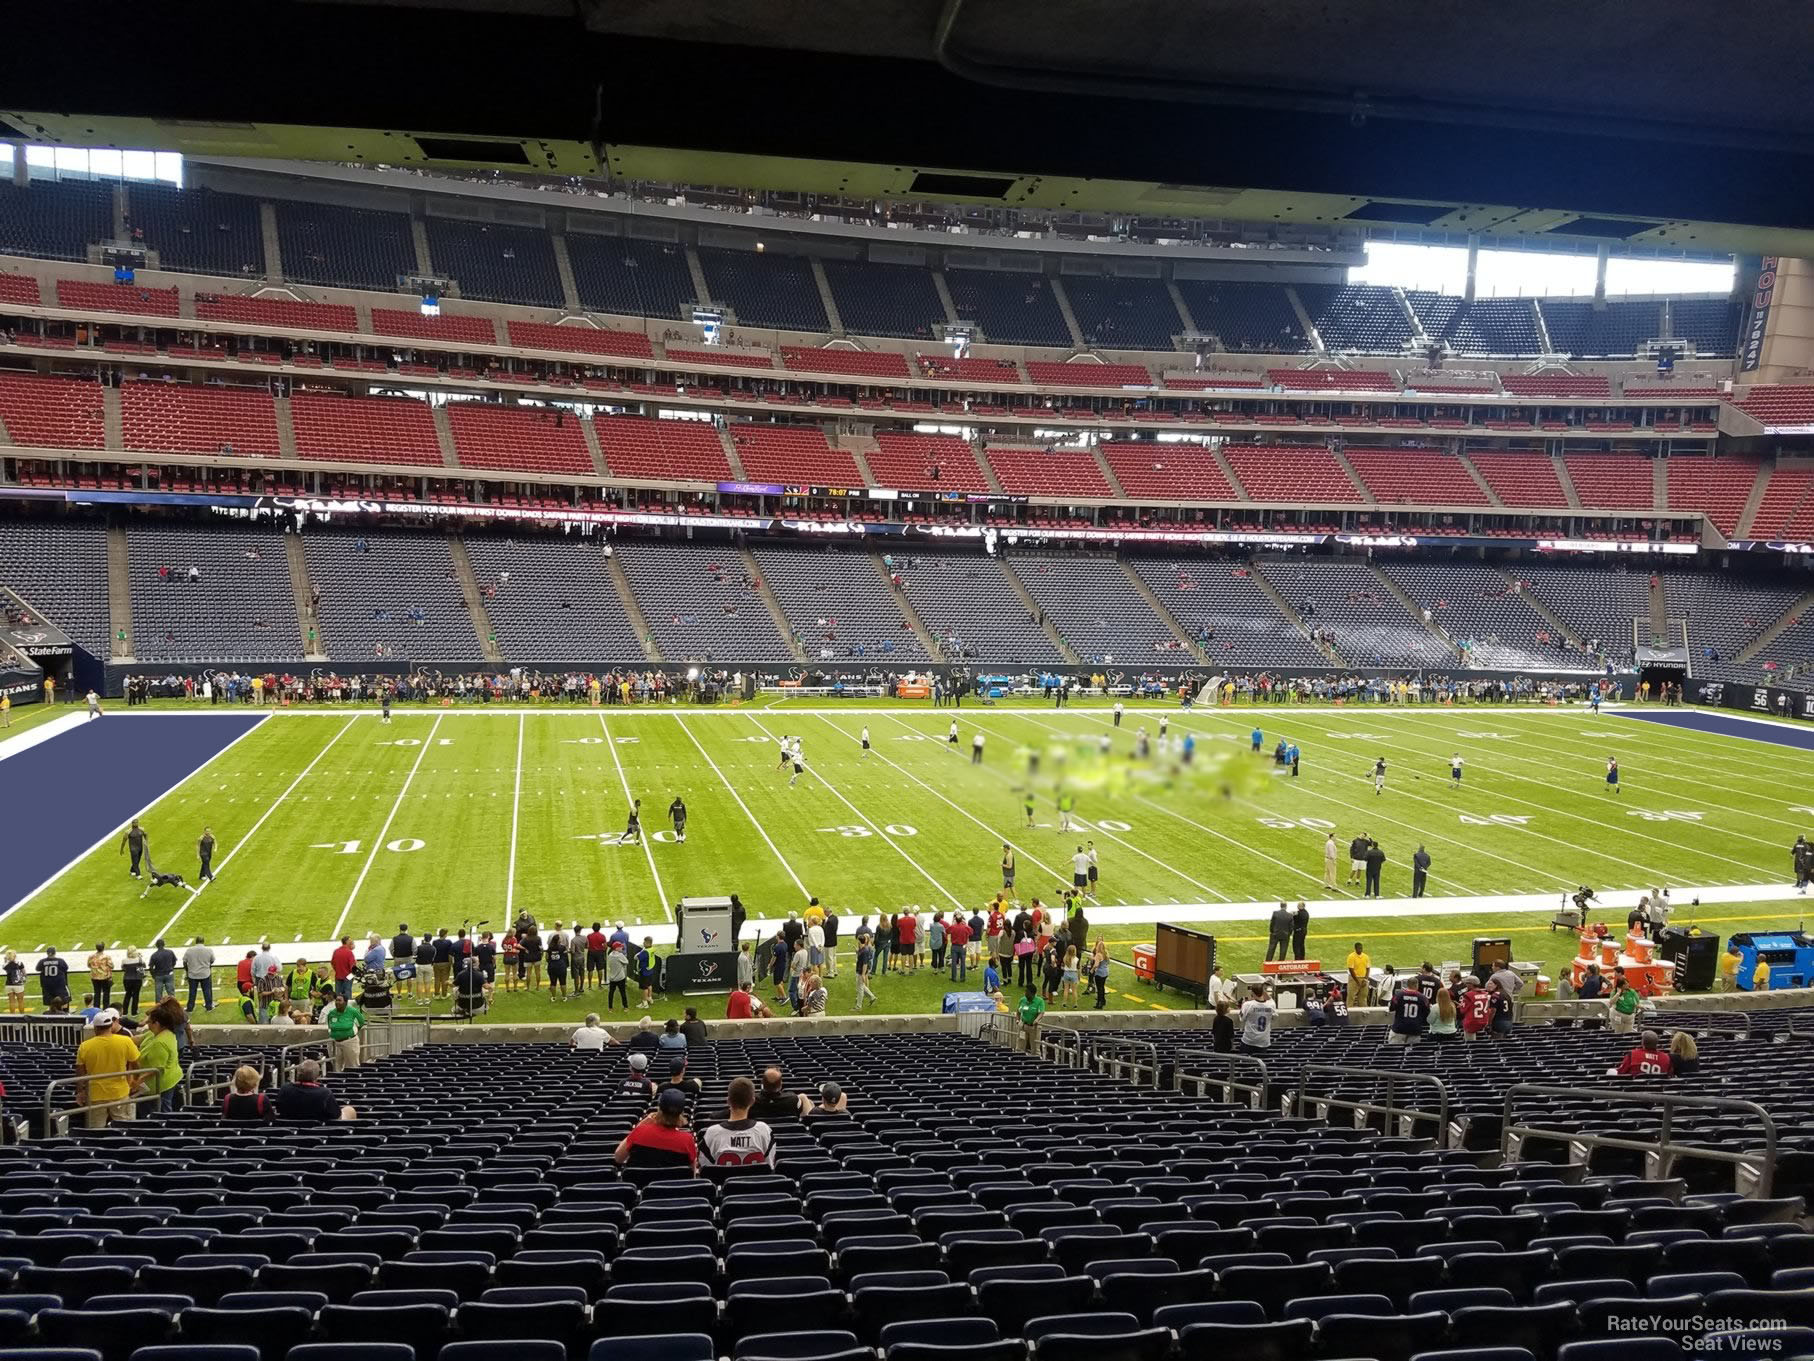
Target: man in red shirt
x,y
662,1138
1649,1059
741,1005
957,946
344,962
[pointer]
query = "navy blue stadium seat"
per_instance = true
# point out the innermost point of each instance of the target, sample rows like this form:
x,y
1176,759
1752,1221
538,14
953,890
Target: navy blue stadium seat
x,y
1285,1341
511,1349
672,1347
113,1333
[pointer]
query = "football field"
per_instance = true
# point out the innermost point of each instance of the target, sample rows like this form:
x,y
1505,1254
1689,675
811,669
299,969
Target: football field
x,y
332,822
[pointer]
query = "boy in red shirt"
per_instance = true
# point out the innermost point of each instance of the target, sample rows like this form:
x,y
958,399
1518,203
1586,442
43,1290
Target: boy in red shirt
x,y
1476,1010
662,1139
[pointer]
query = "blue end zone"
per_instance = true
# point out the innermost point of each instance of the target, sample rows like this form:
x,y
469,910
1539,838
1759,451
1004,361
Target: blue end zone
x,y
62,796
1727,725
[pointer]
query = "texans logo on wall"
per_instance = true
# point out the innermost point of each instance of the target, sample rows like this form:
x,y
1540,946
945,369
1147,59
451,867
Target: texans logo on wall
x,y
709,969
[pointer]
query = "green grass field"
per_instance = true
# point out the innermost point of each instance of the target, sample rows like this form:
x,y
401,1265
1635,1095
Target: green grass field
x,y
333,823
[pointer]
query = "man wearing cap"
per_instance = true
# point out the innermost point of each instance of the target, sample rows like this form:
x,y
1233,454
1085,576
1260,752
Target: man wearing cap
x,y
636,1082
103,1060
739,1141
661,1138
832,1105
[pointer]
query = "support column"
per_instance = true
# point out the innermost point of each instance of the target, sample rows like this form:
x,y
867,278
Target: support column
x,y
1467,293
1600,253
21,171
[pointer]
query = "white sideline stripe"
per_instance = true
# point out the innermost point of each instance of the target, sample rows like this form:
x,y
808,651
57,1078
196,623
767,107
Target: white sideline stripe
x,y
25,741
102,841
899,850
195,892
1356,711
384,831
516,804
1334,909
661,894
761,831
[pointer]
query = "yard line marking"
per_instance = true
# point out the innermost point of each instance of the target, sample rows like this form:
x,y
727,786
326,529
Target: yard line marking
x,y
516,804
226,859
119,831
1683,798
1018,849
1262,810
1651,748
833,791
661,894
1557,811
1399,791
761,831
1089,826
384,831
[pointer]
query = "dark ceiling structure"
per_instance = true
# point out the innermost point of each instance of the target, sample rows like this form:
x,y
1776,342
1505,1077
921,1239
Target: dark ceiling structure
x,y
1670,123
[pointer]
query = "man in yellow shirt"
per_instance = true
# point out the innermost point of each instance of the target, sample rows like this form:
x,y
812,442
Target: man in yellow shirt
x,y
1760,977
104,1059
1360,966
1729,963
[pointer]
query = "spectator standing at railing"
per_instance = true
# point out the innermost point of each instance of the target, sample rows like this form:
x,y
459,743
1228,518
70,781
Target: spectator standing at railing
x,y
344,1022
159,1050
162,965
104,1060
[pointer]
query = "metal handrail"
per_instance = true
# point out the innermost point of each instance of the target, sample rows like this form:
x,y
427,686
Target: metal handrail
x,y
66,1032
1661,1154
1391,1078
283,1065
1118,1057
1000,1030
1061,1044
197,1092
56,1122
1796,1029
398,1035
1227,1082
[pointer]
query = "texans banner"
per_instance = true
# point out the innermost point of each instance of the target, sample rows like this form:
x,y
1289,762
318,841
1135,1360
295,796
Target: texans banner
x,y
697,972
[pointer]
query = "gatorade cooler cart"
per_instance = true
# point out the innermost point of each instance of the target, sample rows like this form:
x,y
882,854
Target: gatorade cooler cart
x,y
1636,956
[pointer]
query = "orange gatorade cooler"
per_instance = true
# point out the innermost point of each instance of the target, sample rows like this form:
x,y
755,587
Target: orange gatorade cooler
x,y
1143,962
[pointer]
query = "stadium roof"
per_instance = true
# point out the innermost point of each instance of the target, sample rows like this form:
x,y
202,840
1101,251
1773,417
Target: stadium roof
x,y
1671,124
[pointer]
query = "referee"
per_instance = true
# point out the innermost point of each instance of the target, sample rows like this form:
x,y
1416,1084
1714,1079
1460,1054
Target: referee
x,y
204,848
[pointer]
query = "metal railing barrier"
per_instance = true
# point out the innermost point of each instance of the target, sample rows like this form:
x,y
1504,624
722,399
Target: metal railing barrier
x,y
1062,1045
56,1119
1203,1070
1756,1167
284,1062
1135,1061
1392,1091
64,1032
395,1035
206,1081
